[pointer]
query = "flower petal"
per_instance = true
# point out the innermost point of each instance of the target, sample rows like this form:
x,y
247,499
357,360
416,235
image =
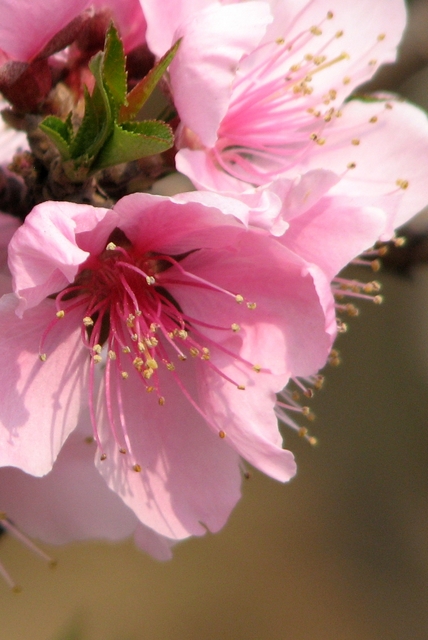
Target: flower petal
x,y
41,401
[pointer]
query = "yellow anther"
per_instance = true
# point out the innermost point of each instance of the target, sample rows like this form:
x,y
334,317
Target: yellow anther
x,y
321,141
346,80
124,374
136,468
403,184
151,362
252,305
141,346
182,357
316,31
373,119
373,62
355,142
112,355
97,358
43,357
126,350
235,327
339,34
351,165
378,299
150,389
130,320
134,337
222,434
150,280
122,450
295,67
241,387
138,312
97,348
239,299
60,314
111,246
280,41
194,352
88,322
381,37
257,368
161,401
182,333
103,457
170,366
148,373
330,15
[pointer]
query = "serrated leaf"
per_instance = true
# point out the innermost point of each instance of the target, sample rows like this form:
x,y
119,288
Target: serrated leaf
x,y
134,140
59,132
113,68
143,90
88,131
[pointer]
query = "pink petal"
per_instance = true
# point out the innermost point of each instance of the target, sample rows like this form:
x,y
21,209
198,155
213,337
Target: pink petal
x,y
164,17
189,479
204,71
386,141
370,33
44,255
71,503
26,26
250,425
33,431
333,232
286,331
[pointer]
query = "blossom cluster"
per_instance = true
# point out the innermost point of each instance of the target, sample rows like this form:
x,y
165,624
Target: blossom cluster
x,y
148,339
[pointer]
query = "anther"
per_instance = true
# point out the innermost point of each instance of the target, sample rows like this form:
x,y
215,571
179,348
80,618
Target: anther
x,y
97,348
150,280
241,387
235,327
122,450
136,468
126,350
222,434
87,321
124,375
316,31
161,401
112,355
330,15
339,34
43,357
373,119
403,184
355,142
251,305
111,246
257,368
381,37
97,358
239,299
103,457
60,314
351,165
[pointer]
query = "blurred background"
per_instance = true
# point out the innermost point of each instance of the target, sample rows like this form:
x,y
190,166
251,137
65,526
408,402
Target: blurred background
x,y
340,553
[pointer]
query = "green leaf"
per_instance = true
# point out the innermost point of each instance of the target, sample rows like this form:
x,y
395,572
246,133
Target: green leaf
x,y
88,131
60,133
142,91
134,140
113,68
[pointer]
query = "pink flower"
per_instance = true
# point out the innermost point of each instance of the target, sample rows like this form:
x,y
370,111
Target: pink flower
x,y
279,100
176,324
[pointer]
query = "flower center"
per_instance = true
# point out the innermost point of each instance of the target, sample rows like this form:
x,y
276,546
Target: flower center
x,y
131,323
